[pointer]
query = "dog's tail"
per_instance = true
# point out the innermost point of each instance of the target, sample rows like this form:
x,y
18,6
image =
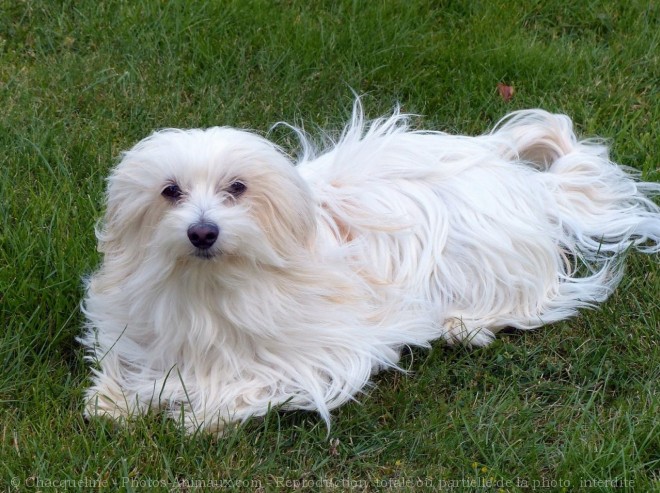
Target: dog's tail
x,y
603,204
600,209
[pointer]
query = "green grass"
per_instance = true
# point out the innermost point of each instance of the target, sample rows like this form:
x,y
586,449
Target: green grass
x,y
80,81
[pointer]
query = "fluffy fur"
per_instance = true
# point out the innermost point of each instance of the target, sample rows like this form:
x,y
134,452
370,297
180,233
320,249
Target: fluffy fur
x,y
324,269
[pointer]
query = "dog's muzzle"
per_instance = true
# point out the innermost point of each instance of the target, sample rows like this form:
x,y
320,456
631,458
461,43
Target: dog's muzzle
x,y
203,235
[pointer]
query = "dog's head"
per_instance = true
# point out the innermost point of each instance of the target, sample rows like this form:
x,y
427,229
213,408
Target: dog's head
x,y
205,196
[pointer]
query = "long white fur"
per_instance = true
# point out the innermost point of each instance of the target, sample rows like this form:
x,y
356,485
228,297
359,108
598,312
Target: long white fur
x,y
325,268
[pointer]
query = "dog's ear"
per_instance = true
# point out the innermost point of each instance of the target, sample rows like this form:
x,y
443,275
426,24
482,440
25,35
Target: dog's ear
x,y
123,232
283,205
122,217
118,236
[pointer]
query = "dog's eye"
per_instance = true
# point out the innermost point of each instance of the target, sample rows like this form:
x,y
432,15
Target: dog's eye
x,y
237,188
172,192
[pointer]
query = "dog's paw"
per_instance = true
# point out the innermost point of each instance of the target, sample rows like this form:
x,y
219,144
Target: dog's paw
x,y
193,422
457,330
116,406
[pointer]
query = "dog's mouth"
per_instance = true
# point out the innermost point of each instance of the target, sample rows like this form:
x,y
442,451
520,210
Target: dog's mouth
x,y
206,254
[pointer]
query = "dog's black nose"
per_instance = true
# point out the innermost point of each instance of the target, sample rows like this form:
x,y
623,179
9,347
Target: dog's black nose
x,y
203,235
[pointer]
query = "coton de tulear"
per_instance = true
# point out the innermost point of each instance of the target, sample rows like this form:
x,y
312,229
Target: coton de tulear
x,y
234,279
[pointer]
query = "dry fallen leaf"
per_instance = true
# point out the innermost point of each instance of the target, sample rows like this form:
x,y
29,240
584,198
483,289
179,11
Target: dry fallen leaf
x,y
506,92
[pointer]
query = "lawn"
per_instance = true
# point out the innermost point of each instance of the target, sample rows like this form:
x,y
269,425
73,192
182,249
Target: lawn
x,y
571,407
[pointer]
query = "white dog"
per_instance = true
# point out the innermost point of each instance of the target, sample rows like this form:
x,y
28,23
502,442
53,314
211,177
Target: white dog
x,y
234,280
